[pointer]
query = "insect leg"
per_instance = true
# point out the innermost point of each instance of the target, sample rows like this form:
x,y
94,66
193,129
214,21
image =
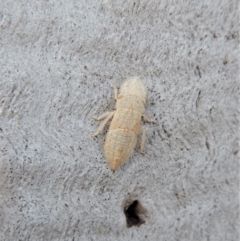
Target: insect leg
x,y
143,141
104,122
147,119
102,116
116,95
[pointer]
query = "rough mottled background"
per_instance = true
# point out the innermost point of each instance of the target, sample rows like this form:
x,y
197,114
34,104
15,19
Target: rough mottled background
x,y
59,61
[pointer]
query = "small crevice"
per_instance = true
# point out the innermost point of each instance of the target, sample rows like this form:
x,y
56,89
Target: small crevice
x,y
133,213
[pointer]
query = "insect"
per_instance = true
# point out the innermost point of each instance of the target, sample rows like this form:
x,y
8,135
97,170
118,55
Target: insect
x,y
122,136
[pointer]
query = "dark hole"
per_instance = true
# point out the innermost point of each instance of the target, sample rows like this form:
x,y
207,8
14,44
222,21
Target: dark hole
x,y
132,214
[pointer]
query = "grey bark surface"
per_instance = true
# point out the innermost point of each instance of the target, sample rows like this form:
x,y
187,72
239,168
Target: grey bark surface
x,y
59,63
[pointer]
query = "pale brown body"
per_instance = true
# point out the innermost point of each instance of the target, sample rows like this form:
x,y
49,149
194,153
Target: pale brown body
x,y
124,128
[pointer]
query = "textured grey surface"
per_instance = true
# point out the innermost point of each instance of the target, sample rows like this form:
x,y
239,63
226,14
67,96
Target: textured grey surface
x,y
59,61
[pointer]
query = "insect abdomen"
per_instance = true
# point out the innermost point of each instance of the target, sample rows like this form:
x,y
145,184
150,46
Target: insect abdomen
x,y
119,146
